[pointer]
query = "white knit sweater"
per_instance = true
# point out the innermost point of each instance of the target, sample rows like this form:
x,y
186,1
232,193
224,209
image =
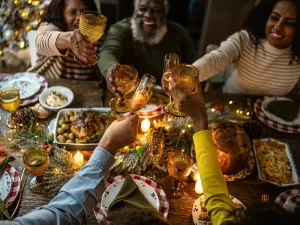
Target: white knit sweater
x,y
264,70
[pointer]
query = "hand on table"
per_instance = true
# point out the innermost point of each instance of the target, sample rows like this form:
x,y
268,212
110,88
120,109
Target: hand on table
x,y
120,133
81,47
192,104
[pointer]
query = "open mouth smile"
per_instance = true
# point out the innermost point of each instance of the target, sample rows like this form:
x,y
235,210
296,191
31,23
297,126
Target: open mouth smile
x,y
149,23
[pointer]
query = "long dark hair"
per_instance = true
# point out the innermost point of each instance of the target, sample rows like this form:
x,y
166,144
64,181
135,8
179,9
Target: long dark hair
x,y
257,17
55,12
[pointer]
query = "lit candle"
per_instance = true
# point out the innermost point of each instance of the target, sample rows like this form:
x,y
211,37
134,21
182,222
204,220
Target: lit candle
x,y
198,187
78,157
196,176
145,125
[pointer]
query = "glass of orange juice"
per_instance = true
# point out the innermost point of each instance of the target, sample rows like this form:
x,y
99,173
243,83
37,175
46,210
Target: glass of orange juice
x,y
10,99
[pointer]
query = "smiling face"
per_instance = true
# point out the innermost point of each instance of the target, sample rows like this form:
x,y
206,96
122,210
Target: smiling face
x,y
281,25
149,19
72,12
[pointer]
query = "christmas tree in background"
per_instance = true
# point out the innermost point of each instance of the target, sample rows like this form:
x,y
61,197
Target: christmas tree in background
x,y
17,17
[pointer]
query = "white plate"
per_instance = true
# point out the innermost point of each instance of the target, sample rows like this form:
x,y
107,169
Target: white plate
x,y
292,164
51,126
111,192
5,185
275,118
199,203
27,84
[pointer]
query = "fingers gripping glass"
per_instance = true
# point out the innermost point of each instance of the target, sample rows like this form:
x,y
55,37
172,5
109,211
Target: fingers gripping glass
x,y
124,78
186,77
92,25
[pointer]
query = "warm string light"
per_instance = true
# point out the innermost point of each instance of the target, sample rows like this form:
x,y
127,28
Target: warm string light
x,y
78,158
145,125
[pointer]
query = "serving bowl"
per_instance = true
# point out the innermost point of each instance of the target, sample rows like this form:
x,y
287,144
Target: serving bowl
x,y
58,89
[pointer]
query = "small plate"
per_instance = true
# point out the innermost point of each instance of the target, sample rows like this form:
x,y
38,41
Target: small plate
x,y
289,200
28,84
111,192
199,205
275,118
150,111
5,185
51,126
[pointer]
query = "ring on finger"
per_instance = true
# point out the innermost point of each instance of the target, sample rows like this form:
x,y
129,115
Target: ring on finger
x,y
76,44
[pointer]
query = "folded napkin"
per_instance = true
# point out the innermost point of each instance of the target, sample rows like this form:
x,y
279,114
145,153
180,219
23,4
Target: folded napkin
x,y
4,161
4,215
130,195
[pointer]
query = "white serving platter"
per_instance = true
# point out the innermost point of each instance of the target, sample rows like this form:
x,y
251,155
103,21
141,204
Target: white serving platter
x,y
76,146
295,175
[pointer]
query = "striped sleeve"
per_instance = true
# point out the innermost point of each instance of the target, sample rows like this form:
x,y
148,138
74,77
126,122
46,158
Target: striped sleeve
x,y
46,40
218,60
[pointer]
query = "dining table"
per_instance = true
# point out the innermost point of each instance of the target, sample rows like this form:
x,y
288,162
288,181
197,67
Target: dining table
x,y
249,190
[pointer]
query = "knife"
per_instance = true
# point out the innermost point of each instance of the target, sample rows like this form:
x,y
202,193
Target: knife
x,y
23,182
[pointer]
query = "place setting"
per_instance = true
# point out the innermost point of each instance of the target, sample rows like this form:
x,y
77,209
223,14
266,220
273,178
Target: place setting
x,y
279,113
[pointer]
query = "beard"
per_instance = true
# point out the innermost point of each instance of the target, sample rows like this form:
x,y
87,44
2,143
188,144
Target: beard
x,y
148,38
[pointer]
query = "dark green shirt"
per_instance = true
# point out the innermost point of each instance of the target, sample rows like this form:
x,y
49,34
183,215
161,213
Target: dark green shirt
x,y
120,47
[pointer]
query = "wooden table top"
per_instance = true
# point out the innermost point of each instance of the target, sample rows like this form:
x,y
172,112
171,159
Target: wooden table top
x,y
249,190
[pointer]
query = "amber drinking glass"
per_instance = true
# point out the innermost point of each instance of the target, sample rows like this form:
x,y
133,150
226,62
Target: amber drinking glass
x,y
143,93
124,77
92,25
179,167
36,162
186,78
10,99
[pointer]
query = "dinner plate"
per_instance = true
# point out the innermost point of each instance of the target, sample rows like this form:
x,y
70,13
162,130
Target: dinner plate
x,y
285,200
16,183
200,210
28,84
275,118
273,124
111,192
150,111
163,201
5,185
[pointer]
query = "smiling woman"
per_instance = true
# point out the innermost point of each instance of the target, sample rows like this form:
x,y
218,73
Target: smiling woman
x,y
265,55
58,41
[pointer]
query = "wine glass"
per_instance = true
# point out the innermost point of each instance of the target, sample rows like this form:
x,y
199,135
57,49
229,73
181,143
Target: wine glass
x,y
179,167
171,60
10,102
124,77
36,162
92,25
143,93
186,77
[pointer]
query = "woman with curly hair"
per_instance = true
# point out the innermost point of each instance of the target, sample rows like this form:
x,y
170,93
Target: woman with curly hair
x,y
265,55
58,41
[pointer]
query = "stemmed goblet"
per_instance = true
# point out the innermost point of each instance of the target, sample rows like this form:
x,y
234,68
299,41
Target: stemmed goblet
x,y
186,77
36,162
143,93
10,100
179,167
92,25
124,77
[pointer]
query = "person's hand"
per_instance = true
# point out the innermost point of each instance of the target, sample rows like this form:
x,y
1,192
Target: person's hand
x,y
191,104
120,133
165,82
81,47
109,80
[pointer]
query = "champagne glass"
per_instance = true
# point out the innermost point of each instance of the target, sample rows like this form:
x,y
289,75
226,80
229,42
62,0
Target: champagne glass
x,y
143,93
179,167
186,77
92,25
124,77
36,162
171,60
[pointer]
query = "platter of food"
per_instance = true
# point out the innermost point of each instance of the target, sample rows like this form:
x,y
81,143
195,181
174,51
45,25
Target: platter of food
x,y
275,162
81,128
282,110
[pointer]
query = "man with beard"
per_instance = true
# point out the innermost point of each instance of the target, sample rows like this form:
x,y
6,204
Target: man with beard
x,y
143,41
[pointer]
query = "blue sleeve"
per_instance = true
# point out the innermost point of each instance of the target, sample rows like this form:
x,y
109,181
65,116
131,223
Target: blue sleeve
x,y
76,199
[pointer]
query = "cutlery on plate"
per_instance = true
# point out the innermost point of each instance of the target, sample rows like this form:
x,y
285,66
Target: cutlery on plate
x,y
23,182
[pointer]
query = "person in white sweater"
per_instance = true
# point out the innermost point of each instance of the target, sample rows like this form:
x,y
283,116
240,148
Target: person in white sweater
x,y
265,55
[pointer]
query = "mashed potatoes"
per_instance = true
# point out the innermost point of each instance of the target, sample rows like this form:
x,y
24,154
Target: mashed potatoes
x,y
55,99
